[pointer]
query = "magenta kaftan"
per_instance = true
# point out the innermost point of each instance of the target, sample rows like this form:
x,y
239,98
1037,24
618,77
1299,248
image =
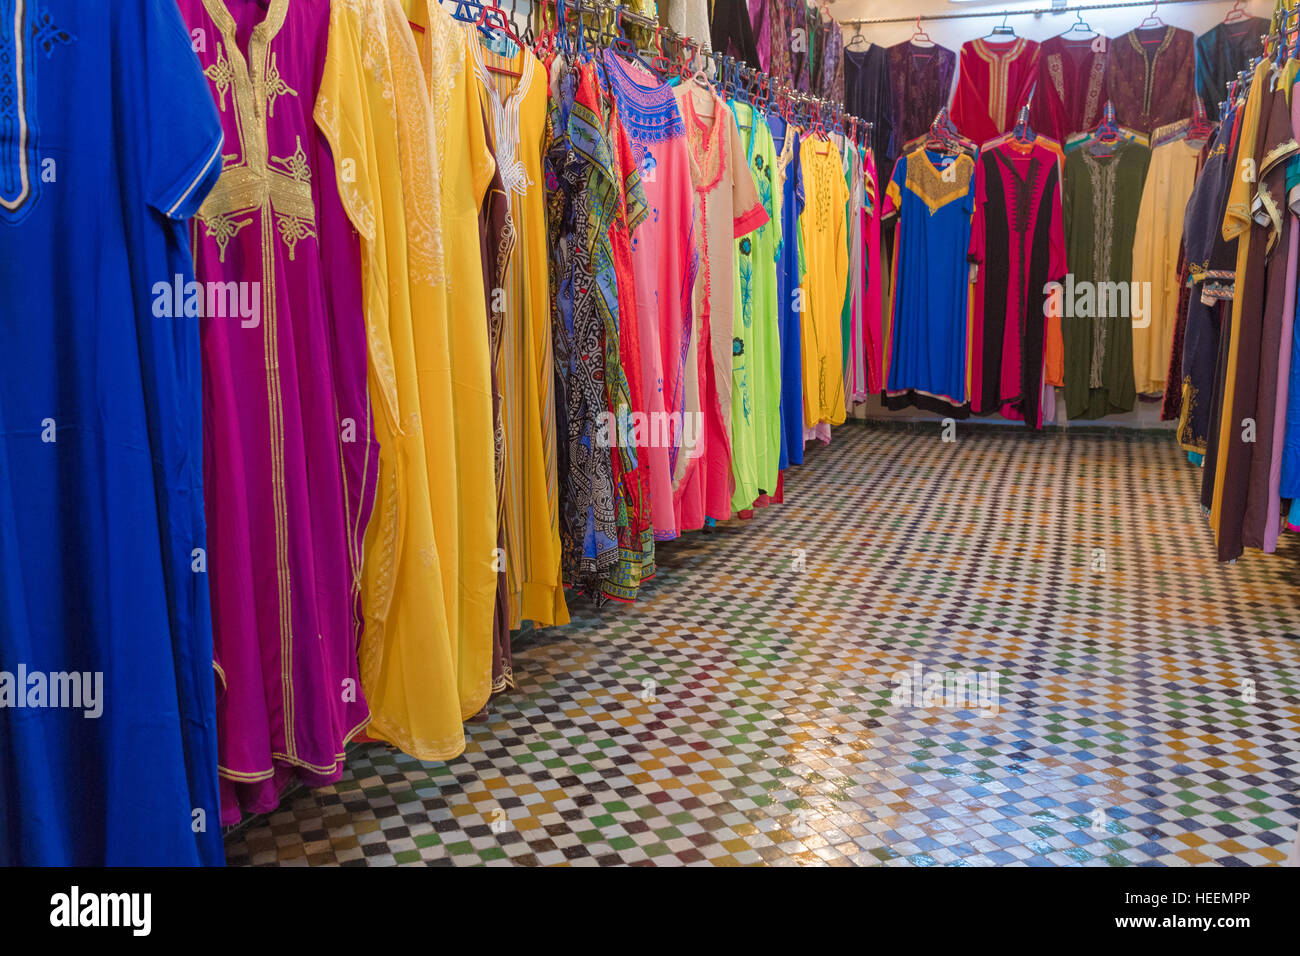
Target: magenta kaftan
x,y
289,458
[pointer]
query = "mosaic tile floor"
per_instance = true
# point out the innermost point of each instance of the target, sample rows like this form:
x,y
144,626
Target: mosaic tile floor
x,y
1141,704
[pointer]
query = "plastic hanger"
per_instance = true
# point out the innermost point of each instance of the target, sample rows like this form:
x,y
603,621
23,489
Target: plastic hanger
x,y
1200,128
1106,136
1001,31
467,11
1236,14
920,37
1152,21
660,62
858,36
621,45
1078,23
492,19
1022,132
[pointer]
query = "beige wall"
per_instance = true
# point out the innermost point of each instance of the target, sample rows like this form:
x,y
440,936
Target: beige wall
x,y
1197,17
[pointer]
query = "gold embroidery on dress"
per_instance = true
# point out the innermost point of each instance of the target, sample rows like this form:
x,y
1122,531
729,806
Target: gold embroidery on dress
x,y
1149,64
275,86
1057,74
293,230
931,186
1095,79
222,76
254,186
999,71
1103,228
222,228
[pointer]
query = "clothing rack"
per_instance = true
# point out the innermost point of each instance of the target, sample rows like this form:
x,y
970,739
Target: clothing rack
x,y
826,109
1036,12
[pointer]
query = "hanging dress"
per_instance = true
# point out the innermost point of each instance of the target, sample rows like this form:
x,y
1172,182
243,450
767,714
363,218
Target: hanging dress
x,y
920,79
869,94
727,207
1101,201
824,230
1150,77
285,523
1170,176
1018,244
1210,262
516,108
756,349
374,108
789,279
618,190
102,535
994,80
853,321
1070,92
927,338
1221,53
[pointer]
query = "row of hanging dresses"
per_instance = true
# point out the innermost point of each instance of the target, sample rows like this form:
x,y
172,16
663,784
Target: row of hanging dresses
x,y
383,510
1148,74
755,221
789,39
1250,387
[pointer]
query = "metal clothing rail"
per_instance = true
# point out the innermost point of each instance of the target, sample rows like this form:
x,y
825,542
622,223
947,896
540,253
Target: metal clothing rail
x,y
1035,12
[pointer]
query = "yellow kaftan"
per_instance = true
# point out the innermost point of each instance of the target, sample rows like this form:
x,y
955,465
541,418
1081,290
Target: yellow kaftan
x,y
824,229
463,488
375,110
516,110
1169,182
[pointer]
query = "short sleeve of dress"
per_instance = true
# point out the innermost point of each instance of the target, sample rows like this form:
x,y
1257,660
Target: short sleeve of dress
x,y
747,207
483,164
893,201
180,121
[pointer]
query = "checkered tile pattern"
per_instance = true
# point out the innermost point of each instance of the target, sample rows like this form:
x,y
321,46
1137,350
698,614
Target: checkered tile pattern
x,y
761,704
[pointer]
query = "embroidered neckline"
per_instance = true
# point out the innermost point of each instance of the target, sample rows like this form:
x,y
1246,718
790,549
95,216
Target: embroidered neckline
x,y
705,142
649,111
264,31
927,182
505,112
998,51
1149,63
